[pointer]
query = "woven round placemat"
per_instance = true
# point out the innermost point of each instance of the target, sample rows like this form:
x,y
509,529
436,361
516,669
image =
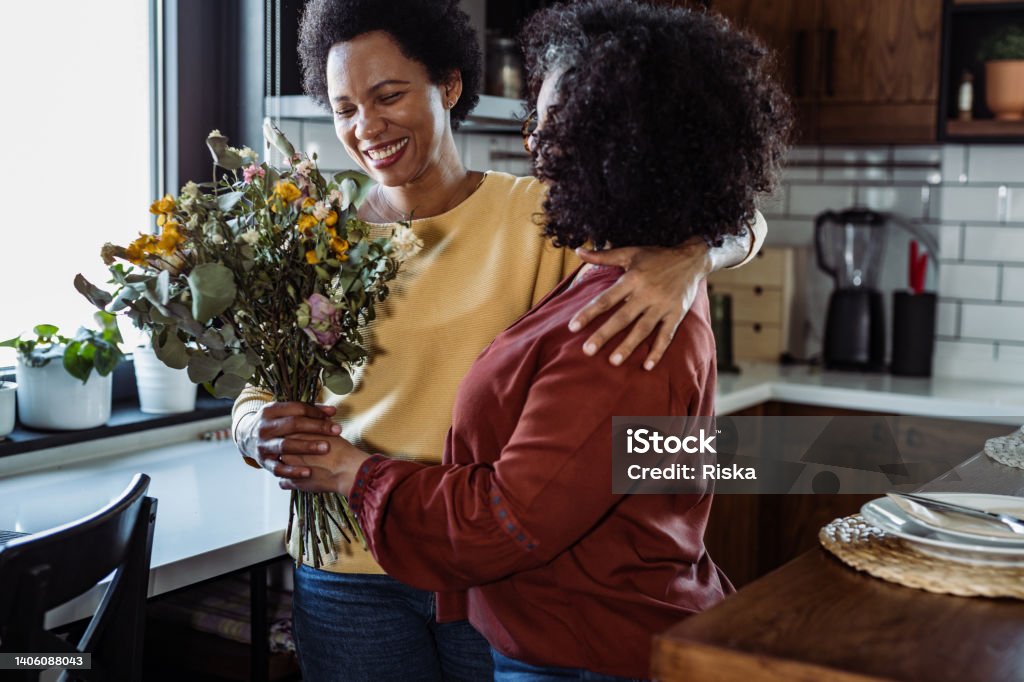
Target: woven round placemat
x,y
857,543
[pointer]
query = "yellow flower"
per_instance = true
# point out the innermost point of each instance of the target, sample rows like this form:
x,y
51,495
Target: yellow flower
x,y
331,232
340,248
308,201
311,257
137,251
286,191
170,239
162,208
306,223
331,220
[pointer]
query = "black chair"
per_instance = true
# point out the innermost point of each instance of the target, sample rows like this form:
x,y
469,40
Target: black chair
x,y
47,569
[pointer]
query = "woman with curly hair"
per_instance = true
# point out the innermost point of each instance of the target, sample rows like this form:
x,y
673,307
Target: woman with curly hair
x,y
399,77
519,529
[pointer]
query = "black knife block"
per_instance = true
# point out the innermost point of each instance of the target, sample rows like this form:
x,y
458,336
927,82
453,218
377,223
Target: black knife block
x,y
913,334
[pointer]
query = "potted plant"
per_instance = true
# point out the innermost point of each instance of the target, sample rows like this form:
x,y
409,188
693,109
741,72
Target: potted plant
x,y
1003,54
7,389
162,389
74,393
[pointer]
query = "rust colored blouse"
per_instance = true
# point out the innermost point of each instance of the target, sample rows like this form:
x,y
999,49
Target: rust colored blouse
x,y
518,528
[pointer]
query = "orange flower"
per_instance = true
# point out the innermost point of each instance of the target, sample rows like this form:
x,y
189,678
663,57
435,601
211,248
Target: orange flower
x,y
137,251
306,223
170,239
286,191
340,248
331,220
162,209
311,257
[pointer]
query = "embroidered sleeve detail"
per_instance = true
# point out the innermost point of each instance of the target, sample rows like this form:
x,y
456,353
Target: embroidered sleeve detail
x,y
366,473
508,522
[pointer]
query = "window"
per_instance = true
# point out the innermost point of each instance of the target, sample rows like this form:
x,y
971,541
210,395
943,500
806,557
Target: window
x,y
75,140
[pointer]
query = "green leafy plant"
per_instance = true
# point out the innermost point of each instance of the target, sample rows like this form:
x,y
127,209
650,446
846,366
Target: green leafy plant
x,y
87,350
1006,43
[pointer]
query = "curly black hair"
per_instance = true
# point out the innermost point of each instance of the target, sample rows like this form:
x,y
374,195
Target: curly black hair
x,y
667,125
435,33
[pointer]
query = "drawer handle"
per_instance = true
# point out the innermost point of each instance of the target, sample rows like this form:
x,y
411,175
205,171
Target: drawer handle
x,y
757,327
758,291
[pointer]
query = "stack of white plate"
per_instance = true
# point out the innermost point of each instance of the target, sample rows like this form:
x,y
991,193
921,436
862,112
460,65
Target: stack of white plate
x,y
949,543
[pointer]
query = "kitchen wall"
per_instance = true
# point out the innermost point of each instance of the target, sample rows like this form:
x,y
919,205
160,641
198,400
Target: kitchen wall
x,y
970,196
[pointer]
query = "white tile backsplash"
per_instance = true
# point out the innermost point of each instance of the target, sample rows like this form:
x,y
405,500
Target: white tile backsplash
x,y
810,200
969,203
773,204
954,164
972,199
949,241
968,360
998,164
999,322
969,281
947,318
909,202
1013,284
1004,244
1015,205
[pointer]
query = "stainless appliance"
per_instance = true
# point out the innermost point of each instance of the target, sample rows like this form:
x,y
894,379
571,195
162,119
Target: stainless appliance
x,y
849,247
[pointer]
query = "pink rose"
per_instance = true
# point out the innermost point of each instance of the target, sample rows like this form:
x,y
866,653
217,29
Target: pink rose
x,y
324,321
252,172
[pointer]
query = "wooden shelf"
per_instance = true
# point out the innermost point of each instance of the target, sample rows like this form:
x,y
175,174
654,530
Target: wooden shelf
x,y
984,128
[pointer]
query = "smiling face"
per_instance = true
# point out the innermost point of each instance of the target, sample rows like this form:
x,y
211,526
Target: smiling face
x,y
391,119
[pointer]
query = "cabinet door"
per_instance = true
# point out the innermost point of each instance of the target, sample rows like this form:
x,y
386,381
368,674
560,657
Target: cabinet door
x,y
880,70
791,29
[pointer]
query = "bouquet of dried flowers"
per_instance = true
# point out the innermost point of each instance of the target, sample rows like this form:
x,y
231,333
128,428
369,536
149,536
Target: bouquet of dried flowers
x,y
263,276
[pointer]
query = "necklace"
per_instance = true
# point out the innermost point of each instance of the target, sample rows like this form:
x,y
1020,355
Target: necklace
x,y
383,200
457,197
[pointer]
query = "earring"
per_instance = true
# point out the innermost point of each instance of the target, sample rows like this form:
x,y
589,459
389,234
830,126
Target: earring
x,y
451,104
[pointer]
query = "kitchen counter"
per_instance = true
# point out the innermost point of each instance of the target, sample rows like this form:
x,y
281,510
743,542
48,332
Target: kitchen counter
x,y
932,397
818,619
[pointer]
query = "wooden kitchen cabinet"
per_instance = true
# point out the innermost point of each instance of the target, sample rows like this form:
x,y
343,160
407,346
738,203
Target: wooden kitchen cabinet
x,y
750,535
859,71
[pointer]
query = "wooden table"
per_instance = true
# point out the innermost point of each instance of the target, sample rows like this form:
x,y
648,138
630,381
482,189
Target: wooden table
x,y
816,619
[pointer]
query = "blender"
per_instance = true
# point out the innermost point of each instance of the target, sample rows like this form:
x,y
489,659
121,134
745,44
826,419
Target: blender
x,y
849,247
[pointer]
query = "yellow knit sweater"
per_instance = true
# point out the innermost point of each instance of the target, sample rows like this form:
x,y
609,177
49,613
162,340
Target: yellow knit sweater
x,y
484,263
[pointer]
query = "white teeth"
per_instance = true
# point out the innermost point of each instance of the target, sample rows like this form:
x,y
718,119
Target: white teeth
x,y
390,150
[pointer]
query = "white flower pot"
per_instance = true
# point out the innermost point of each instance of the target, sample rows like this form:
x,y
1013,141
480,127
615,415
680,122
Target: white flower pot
x,y
50,398
6,408
162,390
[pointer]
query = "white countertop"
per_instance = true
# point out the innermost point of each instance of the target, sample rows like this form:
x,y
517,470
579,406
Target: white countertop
x,y
933,397
216,515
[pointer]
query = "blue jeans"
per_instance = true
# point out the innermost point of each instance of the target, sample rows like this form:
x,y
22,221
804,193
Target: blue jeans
x,y
510,670
371,628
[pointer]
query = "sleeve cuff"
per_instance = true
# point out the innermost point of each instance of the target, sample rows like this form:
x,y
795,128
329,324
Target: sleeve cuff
x,y
367,472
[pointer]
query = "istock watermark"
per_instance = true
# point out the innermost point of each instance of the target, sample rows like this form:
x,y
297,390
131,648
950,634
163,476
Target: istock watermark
x,y
800,455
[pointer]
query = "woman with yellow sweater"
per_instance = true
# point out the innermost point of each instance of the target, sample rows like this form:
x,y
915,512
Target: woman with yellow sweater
x,y
399,77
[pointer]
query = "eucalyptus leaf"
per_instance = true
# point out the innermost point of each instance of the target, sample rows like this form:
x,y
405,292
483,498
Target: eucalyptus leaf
x,y
202,368
238,366
338,381
92,293
228,386
212,339
363,182
170,350
213,290
227,202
